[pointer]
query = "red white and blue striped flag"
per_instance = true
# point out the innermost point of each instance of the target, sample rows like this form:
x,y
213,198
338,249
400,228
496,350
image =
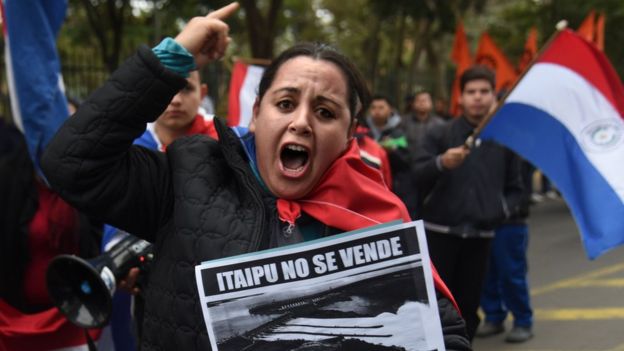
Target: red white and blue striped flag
x,y
243,92
566,117
38,101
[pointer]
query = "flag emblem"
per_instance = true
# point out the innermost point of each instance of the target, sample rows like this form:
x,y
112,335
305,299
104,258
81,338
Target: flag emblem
x,y
602,136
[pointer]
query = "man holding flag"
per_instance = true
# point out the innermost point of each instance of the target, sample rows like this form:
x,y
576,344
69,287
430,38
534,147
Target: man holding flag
x,y
470,192
506,288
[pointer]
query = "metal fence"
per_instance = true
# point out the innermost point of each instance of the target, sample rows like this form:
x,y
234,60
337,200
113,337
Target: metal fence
x,y
84,72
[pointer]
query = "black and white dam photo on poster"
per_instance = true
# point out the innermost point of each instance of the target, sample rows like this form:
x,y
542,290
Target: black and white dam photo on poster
x,y
369,290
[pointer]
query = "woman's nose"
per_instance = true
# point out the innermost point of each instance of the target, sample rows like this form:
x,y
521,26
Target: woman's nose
x,y
300,123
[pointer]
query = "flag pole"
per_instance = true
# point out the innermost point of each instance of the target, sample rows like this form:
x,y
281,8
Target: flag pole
x,y
469,143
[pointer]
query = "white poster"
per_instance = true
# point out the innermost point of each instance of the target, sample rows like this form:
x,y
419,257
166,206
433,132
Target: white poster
x,y
363,290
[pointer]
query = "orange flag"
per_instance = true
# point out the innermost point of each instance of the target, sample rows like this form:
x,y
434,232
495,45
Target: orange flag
x,y
462,59
490,55
530,50
461,52
599,35
587,29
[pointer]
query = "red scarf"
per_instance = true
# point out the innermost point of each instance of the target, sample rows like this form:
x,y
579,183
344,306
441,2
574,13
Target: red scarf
x,y
200,125
352,195
204,127
45,330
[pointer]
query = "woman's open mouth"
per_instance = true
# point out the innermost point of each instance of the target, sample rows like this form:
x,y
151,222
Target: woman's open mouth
x,y
294,160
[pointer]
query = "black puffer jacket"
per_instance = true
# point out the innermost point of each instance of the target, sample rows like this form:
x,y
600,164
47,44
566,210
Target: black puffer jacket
x,y
198,202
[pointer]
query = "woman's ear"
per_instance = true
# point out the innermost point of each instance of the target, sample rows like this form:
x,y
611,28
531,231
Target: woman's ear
x,y
255,110
351,131
350,135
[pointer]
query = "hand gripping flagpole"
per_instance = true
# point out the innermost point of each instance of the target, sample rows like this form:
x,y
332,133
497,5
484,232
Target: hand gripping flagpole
x,y
470,141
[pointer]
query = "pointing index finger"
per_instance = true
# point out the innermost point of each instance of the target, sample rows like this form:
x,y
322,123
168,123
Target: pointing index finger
x,y
224,12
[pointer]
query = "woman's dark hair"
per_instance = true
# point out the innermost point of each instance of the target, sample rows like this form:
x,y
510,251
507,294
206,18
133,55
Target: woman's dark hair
x,y
477,72
359,95
19,202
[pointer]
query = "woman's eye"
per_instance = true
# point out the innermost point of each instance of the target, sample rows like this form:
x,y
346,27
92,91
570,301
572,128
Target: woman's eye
x,y
285,105
325,113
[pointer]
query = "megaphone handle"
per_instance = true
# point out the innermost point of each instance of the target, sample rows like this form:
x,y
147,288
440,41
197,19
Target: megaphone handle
x,y
90,342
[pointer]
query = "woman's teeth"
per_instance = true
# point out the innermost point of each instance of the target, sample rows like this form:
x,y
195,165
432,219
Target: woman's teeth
x,y
296,148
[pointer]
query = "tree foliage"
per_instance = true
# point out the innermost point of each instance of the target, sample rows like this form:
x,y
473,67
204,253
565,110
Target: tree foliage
x,y
400,45
511,24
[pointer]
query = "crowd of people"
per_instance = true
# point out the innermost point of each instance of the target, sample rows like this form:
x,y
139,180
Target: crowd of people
x,y
474,201
142,157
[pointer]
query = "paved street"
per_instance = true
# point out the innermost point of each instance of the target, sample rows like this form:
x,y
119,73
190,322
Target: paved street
x,y
578,303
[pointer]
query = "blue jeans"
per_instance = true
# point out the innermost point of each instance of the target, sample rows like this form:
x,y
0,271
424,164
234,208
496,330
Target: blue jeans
x,y
506,289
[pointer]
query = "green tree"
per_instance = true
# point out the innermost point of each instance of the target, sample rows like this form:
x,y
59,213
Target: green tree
x,y
107,19
510,25
261,28
401,45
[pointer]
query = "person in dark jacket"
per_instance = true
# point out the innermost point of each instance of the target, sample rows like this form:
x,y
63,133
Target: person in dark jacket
x,y
205,199
383,121
468,194
417,123
420,120
182,117
386,128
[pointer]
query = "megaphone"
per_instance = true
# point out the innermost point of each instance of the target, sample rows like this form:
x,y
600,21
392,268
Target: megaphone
x,y
82,289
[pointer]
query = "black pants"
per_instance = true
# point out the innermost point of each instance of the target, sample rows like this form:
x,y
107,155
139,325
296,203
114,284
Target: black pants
x,y
462,264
